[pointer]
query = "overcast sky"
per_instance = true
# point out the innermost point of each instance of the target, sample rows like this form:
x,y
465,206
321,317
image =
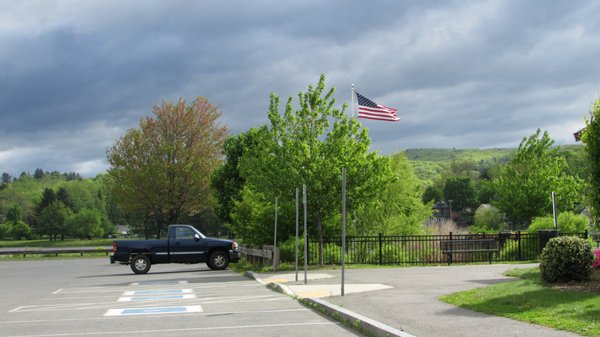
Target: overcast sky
x,y
75,75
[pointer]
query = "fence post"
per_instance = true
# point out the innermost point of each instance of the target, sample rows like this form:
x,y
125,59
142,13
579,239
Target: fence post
x,y
451,248
519,253
585,235
380,249
276,258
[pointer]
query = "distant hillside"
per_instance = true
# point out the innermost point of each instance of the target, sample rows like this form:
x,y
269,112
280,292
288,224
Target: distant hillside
x,y
448,155
428,163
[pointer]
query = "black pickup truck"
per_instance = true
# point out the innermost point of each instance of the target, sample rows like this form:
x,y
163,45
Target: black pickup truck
x,y
185,244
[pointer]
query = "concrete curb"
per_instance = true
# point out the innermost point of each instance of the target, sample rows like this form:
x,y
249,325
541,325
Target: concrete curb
x,y
360,323
252,275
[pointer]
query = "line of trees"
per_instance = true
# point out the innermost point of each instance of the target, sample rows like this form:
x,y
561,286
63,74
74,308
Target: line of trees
x,y
179,165
55,206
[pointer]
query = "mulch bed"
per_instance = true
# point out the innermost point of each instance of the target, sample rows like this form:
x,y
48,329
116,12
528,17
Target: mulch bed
x,y
593,285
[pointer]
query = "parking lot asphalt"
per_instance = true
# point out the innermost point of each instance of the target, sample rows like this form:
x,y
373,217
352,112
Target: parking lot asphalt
x,y
90,297
406,299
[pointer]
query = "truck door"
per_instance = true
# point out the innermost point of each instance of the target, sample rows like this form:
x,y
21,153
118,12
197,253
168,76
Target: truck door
x,y
185,247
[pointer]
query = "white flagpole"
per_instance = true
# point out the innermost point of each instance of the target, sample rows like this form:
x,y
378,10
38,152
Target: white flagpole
x,y
352,100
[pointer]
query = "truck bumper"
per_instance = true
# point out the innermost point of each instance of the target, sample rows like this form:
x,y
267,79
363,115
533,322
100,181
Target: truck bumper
x,y
234,256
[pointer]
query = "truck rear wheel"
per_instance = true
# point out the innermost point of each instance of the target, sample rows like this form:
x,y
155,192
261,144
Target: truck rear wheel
x,y
218,260
140,264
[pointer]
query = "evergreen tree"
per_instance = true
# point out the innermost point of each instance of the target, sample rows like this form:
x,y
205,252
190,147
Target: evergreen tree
x,y
63,196
6,178
38,174
48,197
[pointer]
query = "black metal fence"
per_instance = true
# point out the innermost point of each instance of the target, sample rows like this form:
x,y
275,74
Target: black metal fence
x,y
427,249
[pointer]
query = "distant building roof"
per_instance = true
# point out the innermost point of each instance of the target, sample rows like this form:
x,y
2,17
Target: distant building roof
x,y
485,207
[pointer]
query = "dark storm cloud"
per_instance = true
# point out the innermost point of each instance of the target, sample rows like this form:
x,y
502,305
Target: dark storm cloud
x,y
75,75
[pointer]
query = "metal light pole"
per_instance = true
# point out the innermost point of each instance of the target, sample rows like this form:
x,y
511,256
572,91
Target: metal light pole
x,y
554,212
343,227
297,224
305,235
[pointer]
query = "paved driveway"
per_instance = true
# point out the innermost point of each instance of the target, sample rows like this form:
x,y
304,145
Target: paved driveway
x,y
409,301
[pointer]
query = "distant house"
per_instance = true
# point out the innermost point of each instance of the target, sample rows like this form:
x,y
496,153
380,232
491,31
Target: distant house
x,y
441,210
123,230
485,207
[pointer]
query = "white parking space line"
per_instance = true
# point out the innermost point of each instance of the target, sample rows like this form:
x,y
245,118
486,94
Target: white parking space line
x,y
153,311
157,298
207,314
158,282
159,291
166,331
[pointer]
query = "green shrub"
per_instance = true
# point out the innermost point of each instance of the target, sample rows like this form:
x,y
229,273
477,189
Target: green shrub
x,y
568,222
488,218
4,230
566,259
20,230
287,250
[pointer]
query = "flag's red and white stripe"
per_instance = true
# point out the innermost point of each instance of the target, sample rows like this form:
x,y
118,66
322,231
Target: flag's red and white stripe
x,y
371,110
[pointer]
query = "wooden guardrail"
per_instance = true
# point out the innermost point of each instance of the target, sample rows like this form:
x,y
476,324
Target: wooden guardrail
x,y
55,251
267,255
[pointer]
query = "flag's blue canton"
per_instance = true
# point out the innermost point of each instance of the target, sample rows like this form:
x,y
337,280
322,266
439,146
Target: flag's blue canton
x,y
362,100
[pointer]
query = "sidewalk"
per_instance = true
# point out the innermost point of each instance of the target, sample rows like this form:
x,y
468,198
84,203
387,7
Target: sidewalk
x,y
405,299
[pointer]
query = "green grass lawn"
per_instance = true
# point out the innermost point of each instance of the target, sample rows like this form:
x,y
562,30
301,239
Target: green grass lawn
x,y
530,300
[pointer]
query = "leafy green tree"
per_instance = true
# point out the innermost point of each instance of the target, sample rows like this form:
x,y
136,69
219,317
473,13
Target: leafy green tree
x,y
524,186
20,230
397,208
591,139
432,193
86,224
53,220
14,214
227,181
309,146
5,229
462,193
163,169
485,192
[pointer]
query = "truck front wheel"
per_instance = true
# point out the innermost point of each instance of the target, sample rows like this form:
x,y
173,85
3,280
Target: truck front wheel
x,y
140,264
218,260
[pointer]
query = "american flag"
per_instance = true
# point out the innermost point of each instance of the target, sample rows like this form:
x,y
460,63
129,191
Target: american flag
x,y
371,110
